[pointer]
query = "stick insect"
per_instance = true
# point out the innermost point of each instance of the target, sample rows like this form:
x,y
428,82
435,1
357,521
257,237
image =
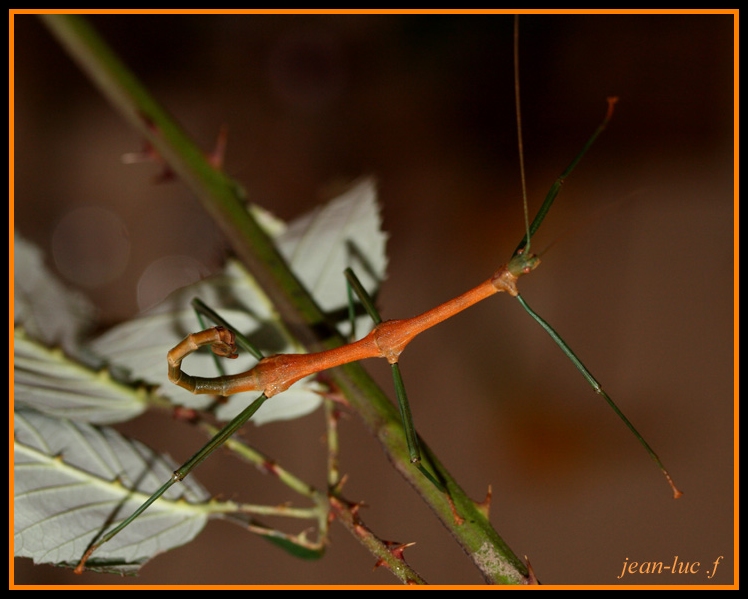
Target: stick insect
x,y
388,339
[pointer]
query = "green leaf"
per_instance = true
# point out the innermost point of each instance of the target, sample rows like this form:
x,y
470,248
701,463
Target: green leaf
x,y
73,480
300,551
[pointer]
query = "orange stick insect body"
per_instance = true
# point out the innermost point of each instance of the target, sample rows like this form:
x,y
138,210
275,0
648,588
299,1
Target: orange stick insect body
x,y
388,339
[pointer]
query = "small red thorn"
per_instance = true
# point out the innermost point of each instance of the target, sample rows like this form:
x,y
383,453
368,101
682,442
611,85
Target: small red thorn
x,y
354,508
215,158
611,103
459,520
399,549
484,507
396,549
337,488
531,578
150,154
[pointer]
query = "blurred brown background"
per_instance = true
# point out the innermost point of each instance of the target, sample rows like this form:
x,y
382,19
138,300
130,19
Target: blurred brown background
x,y
640,282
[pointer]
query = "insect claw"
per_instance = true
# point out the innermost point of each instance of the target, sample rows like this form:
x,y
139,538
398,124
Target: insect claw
x,y
225,346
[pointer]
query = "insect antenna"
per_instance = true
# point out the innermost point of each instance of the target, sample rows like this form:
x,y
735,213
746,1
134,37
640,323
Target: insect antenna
x,y
520,145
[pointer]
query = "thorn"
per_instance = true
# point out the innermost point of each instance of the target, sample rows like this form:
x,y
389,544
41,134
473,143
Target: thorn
x,y
351,506
531,578
150,154
338,487
215,158
354,508
484,507
147,154
396,549
611,103
459,520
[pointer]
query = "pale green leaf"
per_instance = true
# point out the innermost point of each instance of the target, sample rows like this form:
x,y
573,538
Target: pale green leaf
x,y
345,232
42,305
51,382
140,345
74,481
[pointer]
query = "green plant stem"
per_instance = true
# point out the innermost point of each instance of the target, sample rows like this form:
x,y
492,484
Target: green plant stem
x,y
223,199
